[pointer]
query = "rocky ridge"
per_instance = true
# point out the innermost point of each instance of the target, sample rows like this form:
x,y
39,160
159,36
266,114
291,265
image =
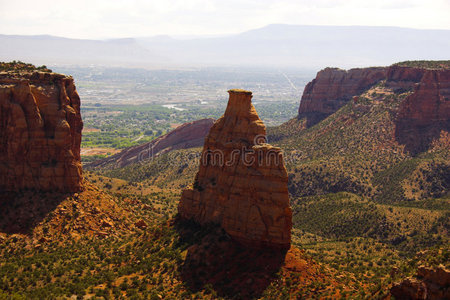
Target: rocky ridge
x,y
242,182
40,132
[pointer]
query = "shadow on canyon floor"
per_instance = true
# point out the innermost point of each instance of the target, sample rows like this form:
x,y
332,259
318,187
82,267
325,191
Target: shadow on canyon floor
x,y
21,211
214,260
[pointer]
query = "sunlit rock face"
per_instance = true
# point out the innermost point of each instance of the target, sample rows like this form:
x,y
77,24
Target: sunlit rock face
x,y
333,88
420,117
242,181
40,132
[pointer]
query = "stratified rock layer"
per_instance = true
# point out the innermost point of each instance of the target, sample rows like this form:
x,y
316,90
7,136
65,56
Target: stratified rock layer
x,y
426,112
401,78
333,88
242,182
185,136
40,132
421,116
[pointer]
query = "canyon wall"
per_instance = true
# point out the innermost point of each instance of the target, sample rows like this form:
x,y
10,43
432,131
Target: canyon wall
x,y
420,117
333,88
242,182
425,112
40,132
401,78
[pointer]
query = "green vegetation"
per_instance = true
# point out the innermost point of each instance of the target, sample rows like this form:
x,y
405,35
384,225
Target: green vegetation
x,y
343,215
361,204
153,263
175,169
353,150
122,107
139,265
18,66
362,240
365,213
388,235
91,158
154,203
121,126
427,64
339,215
419,178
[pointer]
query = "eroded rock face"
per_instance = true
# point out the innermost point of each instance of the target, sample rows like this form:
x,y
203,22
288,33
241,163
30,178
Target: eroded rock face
x,y
422,116
185,136
333,88
242,182
400,78
431,283
40,132
426,112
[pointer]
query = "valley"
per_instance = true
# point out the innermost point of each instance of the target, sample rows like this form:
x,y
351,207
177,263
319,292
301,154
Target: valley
x,y
124,107
369,204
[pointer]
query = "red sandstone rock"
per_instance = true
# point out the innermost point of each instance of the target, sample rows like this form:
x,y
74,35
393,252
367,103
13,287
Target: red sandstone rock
x,y
401,78
140,224
431,283
106,223
421,117
242,182
426,112
40,132
333,88
185,136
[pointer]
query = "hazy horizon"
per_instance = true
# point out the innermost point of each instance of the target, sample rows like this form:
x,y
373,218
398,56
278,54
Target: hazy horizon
x,y
207,36
103,19
202,33
279,46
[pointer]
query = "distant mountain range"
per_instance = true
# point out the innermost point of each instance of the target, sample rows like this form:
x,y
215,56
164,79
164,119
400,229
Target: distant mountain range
x,y
46,49
276,45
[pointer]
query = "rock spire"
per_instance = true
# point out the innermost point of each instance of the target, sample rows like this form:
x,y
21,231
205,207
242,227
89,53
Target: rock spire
x,y
242,181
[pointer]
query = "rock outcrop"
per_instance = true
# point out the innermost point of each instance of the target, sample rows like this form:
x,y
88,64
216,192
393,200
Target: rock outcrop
x,y
185,136
40,132
426,112
333,88
431,283
401,78
242,182
421,116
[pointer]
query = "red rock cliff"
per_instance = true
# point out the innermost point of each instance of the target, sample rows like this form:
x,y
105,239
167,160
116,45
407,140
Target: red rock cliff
x,y
421,116
424,113
400,78
242,182
333,88
40,132
185,136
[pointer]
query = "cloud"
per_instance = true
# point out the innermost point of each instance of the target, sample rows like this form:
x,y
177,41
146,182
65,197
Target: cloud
x,y
118,18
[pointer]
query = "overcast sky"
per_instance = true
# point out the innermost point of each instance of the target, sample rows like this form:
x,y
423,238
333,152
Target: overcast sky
x,y
95,19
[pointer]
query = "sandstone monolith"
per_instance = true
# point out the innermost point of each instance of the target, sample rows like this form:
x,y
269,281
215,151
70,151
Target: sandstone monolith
x,y
40,132
242,181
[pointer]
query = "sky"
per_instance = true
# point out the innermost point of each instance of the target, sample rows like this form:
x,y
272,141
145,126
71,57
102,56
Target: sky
x,y
102,19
